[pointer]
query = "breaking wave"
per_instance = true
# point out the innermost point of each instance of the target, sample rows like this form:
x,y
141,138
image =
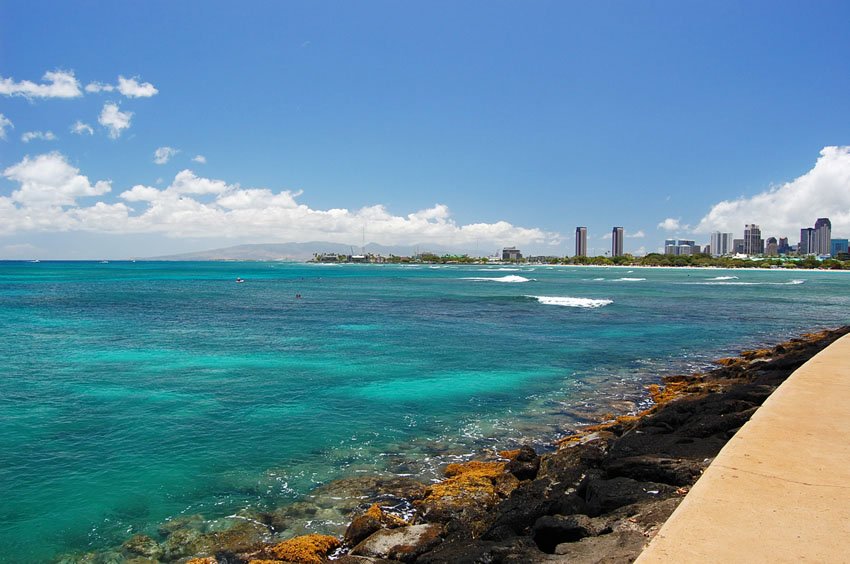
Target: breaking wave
x,y
567,301
724,278
729,283
510,279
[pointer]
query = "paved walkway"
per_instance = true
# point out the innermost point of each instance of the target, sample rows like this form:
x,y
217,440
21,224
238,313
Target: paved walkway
x,y
779,491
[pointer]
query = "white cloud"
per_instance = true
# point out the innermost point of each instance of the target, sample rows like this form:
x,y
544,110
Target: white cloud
x,y
42,135
163,154
4,123
193,206
129,87
56,84
199,159
782,210
49,181
79,128
114,119
639,234
132,88
673,224
96,87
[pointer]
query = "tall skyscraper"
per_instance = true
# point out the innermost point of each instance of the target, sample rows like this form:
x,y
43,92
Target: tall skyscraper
x,y
783,248
807,241
617,242
581,241
822,236
722,244
753,243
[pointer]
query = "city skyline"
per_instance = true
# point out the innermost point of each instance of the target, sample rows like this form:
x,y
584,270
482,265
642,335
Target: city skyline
x,y
503,125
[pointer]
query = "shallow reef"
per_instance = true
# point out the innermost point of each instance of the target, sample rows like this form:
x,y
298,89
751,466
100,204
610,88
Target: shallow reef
x,y
600,495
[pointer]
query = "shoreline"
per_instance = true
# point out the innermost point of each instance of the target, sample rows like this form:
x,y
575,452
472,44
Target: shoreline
x,y
497,502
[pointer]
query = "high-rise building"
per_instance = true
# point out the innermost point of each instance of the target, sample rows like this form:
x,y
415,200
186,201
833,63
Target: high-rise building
x,y
823,233
581,241
722,244
807,241
753,243
617,242
783,248
511,254
738,246
839,246
680,247
771,247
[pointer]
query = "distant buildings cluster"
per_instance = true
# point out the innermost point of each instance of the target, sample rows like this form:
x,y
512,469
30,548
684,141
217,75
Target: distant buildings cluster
x,y
814,241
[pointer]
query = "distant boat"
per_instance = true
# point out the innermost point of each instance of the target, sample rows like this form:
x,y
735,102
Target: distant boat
x,y
104,262
239,280
36,260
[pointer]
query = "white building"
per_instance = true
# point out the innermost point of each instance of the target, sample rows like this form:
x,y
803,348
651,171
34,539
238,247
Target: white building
x,y
722,244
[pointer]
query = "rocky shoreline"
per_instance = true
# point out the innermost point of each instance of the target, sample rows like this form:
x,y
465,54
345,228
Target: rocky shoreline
x,y
599,497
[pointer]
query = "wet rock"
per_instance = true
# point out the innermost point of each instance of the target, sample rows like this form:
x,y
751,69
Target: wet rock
x,y
529,502
615,548
142,545
181,522
349,559
404,544
519,550
564,466
647,468
552,530
525,464
606,495
368,522
185,542
244,536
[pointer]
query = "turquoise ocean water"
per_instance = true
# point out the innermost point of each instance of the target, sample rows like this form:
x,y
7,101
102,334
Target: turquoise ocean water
x,y
132,393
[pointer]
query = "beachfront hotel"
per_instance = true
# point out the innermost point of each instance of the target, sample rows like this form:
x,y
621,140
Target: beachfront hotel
x,y
581,241
617,242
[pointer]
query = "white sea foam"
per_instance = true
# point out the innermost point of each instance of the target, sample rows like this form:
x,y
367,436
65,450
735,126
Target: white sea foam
x,y
724,278
567,301
628,279
729,283
502,269
598,279
511,278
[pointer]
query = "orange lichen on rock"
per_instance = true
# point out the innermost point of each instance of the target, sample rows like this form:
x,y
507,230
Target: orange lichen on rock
x,y
757,353
265,562
670,391
475,468
386,519
204,560
306,549
509,454
471,482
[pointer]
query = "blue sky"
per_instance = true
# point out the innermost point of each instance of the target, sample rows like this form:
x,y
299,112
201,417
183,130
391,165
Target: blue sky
x,y
466,124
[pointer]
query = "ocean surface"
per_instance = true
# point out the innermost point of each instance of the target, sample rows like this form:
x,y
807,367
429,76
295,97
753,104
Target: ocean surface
x,y
133,393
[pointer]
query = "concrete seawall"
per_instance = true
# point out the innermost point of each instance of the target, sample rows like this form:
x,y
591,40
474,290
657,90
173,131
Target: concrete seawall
x,y
779,491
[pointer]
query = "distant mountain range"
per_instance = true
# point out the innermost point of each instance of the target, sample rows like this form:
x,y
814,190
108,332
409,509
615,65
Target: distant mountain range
x,y
304,251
